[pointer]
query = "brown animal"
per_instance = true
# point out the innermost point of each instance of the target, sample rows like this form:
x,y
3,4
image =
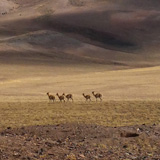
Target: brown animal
x,y
61,98
51,97
97,95
68,96
87,97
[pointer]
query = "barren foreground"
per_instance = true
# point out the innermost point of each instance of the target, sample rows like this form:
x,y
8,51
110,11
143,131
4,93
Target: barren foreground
x,y
79,130
83,142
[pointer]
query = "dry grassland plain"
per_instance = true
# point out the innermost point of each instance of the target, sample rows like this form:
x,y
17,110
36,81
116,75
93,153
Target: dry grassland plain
x,y
130,97
111,113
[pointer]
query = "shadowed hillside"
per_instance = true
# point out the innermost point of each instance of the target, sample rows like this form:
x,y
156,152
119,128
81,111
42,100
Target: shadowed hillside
x,y
76,29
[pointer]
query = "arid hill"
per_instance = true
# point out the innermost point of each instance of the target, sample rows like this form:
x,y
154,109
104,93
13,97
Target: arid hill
x,y
59,45
124,33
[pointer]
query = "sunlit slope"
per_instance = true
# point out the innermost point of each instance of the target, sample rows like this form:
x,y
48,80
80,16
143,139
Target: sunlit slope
x,y
34,83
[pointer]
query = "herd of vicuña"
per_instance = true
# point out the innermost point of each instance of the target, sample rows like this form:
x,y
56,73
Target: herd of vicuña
x,y
70,97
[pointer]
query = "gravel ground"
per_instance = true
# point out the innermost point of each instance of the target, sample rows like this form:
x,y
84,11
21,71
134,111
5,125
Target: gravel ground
x,y
77,142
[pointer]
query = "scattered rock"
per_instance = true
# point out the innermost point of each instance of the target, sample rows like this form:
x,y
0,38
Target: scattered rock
x,y
50,152
95,157
8,127
100,155
40,152
125,146
71,157
139,130
16,154
88,145
81,155
59,141
129,134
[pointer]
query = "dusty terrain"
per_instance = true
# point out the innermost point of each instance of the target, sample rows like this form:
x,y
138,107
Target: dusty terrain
x,y
79,46
83,142
40,130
